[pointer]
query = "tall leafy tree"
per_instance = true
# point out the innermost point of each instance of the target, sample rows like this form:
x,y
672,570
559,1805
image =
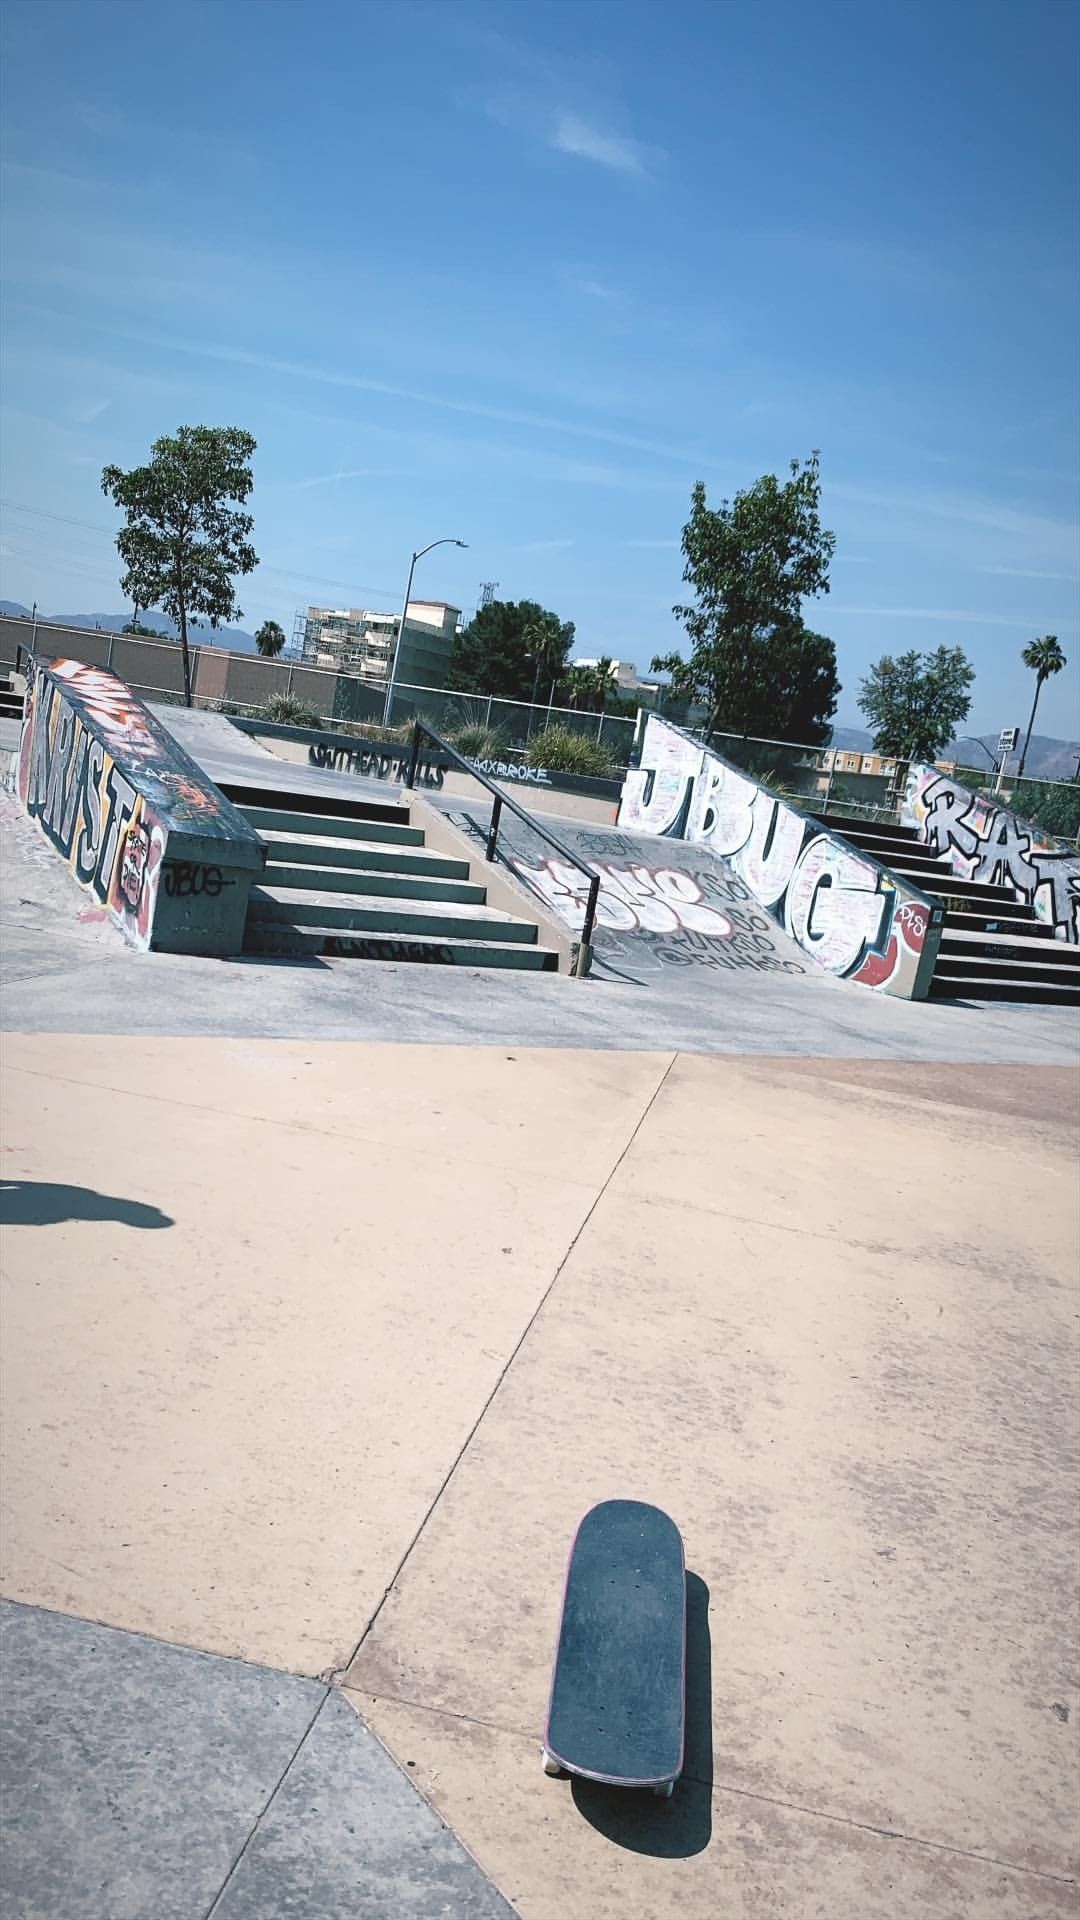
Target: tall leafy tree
x,y
752,562
1045,658
915,703
270,639
514,649
186,535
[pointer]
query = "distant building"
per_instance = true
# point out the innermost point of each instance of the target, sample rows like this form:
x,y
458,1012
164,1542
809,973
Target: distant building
x,y
848,760
361,641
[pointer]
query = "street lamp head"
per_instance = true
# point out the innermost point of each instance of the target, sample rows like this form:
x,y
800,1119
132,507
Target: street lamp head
x,y
461,543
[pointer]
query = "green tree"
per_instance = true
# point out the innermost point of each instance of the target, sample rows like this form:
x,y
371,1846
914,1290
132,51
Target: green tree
x,y
270,639
590,687
752,562
146,633
1053,805
185,536
1044,657
508,648
915,703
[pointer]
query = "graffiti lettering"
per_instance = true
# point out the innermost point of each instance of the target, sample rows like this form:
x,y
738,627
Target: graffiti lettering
x,y
833,908
86,853
184,880
836,905
985,842
375,763
97,814
659,901
666,911
360,946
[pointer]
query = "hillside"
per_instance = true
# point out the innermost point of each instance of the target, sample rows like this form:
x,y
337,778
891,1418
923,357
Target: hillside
x,y
237,638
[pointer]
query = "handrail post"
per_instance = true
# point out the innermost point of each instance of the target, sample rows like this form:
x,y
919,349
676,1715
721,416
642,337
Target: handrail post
x,y
584,954
493,830
414,755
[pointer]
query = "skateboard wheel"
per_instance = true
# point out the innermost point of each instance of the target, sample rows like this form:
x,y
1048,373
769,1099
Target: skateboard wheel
x,y
665,1790
551,1765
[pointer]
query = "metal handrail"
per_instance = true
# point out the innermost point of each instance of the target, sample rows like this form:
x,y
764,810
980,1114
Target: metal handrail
x,y
499,801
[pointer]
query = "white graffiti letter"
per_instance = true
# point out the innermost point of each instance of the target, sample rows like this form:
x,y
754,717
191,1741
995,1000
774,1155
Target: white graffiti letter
x,y
833,908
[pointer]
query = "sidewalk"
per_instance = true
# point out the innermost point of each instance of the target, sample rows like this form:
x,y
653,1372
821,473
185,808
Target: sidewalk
x,y
316,1350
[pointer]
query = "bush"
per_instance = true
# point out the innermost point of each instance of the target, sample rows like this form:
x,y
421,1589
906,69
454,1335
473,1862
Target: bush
x,y
567,752
1054,806
480,743
286,710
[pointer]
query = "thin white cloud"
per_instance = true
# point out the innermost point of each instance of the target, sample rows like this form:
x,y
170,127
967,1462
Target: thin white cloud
x,y
326,479
943,613
597,290
330,377
576,136
1033,573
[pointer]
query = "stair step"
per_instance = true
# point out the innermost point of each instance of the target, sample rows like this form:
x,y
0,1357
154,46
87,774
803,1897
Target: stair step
x,y
298,800
270,938
1033,950
299,908
367,855
1018,922
951,886
954,983
358,880
338,826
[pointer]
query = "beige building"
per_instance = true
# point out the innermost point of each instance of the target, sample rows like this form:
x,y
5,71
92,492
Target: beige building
x,y
360,640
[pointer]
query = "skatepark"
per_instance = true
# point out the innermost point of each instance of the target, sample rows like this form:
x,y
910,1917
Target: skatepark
x,y
336,1291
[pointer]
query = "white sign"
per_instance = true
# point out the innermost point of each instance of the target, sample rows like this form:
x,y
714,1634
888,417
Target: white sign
x,y
1007,739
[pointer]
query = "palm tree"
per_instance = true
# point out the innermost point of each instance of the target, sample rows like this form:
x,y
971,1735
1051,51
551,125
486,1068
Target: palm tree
x,y
270,639
1044,657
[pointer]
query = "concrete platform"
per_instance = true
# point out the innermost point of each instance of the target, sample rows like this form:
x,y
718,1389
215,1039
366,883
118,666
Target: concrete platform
x,y
315,1352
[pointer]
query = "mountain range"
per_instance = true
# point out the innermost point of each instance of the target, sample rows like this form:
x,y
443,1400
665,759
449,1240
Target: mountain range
x,y
237,638
1048,759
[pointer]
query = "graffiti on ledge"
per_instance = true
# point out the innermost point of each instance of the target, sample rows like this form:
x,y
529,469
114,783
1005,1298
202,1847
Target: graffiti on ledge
x,y
841,909
984,841
105,830
376,763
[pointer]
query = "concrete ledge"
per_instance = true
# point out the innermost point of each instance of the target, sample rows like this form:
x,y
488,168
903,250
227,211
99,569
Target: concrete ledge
x,y
137,822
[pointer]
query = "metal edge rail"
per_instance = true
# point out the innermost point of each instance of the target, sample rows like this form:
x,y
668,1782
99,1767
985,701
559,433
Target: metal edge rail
x,y
499,800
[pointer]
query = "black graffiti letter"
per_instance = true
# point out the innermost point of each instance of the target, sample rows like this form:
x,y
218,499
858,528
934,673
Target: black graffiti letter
x,y
86,852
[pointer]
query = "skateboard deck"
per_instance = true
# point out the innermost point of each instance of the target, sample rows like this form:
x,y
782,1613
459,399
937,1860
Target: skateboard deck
x,y
618,1690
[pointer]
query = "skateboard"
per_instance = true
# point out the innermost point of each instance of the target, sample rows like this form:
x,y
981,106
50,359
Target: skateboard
x,y
618,1691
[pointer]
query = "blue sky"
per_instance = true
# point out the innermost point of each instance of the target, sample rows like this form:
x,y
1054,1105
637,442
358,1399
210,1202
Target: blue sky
x,y
524,272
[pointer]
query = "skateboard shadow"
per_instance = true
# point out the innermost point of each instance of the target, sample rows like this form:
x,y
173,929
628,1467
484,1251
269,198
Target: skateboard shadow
x,y
676,1828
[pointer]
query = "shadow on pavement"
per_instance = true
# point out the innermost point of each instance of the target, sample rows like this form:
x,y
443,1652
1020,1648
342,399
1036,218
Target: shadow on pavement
x,y
676,1828
40,1203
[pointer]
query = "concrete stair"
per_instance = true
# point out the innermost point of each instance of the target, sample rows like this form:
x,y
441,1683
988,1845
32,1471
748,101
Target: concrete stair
x,y
353,879
11,703
993,946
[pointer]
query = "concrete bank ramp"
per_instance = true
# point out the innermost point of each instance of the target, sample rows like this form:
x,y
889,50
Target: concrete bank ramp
x,y
665,906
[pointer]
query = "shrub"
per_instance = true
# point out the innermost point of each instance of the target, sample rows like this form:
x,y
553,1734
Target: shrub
x,y
480,743
287,710
567,752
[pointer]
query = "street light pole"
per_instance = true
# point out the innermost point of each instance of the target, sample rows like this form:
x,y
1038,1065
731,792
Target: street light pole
x,y
392,682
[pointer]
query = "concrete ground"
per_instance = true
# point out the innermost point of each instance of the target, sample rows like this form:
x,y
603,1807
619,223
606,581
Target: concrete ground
x,y
320,1333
